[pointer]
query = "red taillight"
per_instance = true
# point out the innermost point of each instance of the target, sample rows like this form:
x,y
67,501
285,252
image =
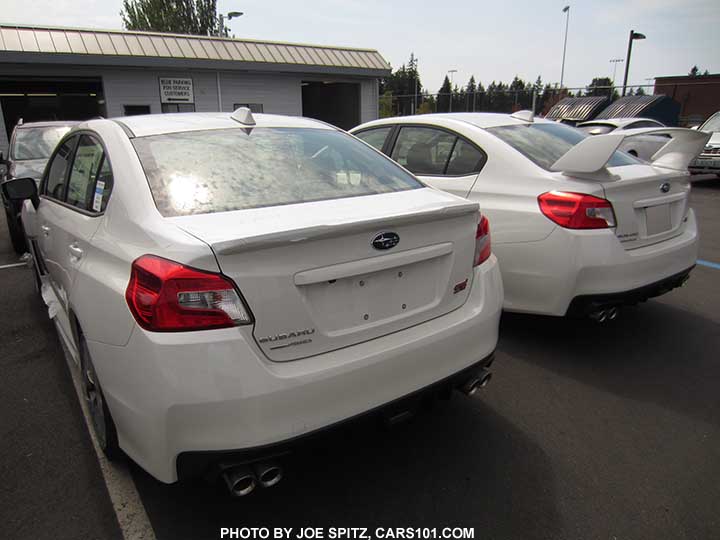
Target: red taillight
x,y
165,296
577,210
482,241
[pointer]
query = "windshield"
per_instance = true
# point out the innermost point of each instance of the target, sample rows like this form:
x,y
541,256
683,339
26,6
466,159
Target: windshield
x,y
36,143
545,143
596,129
712,123
231,169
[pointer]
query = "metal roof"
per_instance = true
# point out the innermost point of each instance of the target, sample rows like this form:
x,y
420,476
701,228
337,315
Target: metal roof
x,y
125,48
630,106
577,109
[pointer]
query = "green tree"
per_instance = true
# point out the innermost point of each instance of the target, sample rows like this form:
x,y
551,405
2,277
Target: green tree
x,y
444,95
196,17
601,86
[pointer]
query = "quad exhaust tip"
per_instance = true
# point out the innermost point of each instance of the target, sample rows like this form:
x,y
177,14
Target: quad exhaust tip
x,y
268,474
604,315
241,480
475,383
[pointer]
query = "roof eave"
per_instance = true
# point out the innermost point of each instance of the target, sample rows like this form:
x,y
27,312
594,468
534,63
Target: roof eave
x,y
182,63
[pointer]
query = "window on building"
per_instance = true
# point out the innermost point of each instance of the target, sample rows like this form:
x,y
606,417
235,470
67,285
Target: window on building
x,y
178,107
254,107
133,110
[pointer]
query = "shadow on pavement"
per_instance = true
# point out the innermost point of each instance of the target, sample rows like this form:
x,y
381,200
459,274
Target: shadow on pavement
x,y
653,352
459,464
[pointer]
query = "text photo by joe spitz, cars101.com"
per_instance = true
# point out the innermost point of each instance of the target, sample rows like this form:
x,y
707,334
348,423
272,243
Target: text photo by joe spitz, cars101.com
x,y
253,289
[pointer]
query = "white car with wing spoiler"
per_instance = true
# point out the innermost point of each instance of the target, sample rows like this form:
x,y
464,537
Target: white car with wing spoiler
x,y
228,284
578,226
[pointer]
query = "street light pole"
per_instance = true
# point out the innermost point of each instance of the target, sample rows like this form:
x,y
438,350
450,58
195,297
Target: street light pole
x,y
221,21
633,36
451,72
566,10
615,62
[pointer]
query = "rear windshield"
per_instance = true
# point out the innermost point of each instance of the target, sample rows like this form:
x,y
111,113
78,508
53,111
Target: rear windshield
x,y
545,143
36,143
202,172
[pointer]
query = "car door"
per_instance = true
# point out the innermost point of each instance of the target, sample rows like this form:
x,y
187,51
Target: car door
x,y
439,157
70,214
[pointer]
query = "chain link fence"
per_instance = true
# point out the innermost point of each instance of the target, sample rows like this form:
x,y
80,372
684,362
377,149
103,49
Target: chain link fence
x,y
539,100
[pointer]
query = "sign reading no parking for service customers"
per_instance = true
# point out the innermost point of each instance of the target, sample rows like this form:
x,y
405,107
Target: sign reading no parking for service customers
x,y
173,90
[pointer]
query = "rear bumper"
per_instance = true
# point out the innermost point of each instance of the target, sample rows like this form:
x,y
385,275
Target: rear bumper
x,y
544,277
586,304
171,394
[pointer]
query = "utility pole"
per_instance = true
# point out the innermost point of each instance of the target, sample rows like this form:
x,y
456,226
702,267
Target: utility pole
x,y
633,36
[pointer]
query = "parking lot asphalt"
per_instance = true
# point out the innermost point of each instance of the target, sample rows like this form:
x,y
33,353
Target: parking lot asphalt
x,y
587,431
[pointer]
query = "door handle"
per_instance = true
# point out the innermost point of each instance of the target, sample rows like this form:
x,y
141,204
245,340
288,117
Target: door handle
x,y
45,230
75,251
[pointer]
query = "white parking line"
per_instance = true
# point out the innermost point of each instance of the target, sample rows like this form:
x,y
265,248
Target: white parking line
x,y
129,509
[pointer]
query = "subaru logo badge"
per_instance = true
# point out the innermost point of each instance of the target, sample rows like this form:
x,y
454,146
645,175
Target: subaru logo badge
x,y
385,240
665,187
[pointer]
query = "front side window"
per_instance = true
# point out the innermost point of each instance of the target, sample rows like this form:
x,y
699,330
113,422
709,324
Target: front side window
x,y
84,172
57,172
231,169
545,143
423,150
375,137
36,143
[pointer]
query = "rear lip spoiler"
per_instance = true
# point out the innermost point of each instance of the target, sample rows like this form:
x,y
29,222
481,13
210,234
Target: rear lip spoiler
x,y
327,230
592,154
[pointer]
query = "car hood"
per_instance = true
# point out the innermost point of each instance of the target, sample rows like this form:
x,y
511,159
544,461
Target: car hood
x,y
30,168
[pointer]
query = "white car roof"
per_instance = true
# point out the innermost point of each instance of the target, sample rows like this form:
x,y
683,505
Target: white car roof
x,y
158,124
618,122
481,120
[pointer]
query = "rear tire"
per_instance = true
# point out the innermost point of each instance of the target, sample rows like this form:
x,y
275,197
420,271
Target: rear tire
x,y
101,419
17,234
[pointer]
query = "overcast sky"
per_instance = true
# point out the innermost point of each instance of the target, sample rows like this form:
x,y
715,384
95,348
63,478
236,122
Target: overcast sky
x,y
493,40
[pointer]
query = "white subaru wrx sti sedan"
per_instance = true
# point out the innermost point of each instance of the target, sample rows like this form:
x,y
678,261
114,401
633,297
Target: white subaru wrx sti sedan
x,y
578,227
229,283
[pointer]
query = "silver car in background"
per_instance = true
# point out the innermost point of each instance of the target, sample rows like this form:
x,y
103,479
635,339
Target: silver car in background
x,y
30,147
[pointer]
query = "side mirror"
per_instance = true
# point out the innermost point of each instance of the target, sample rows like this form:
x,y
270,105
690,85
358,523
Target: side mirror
x,y
21,189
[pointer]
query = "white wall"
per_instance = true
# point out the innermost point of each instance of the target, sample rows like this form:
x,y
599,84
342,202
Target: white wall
x,y
279,93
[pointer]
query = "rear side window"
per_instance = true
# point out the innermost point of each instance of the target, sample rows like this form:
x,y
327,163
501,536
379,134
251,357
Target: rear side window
x,y
231,169
545,143
57,172
466,159
423,150
84,172
375,137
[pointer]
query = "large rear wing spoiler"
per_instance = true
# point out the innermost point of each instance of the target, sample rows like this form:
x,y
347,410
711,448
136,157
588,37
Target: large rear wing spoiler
x,y
592,154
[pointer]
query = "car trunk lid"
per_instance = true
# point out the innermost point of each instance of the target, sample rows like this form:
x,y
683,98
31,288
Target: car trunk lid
x,y
314,280
650,203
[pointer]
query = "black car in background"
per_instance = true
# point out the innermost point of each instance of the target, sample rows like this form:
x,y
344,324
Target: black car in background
x,y
30,147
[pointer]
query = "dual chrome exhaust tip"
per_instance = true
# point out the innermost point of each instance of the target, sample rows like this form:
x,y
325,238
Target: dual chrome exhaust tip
x,y
476,382
604,315
241,480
